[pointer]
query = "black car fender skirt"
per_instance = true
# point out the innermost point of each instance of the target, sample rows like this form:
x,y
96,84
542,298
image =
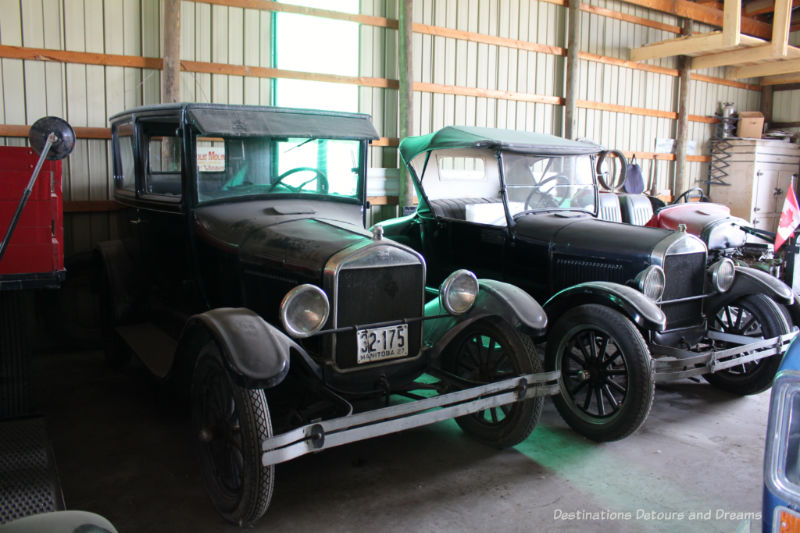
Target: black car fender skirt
x,y
495,299
255,352
643,311
753,281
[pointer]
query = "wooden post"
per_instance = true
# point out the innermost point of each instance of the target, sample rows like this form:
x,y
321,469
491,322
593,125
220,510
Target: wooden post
x,y
682,128
171,71
766,104
571,89
405,55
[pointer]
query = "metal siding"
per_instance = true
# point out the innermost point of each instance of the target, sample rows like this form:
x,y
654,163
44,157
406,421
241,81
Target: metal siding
x,y
87,95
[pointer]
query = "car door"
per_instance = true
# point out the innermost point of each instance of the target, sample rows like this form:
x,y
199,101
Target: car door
x,y
161,222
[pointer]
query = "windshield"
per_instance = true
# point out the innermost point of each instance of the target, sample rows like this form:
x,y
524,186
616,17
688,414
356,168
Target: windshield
x,y
549,182
235,166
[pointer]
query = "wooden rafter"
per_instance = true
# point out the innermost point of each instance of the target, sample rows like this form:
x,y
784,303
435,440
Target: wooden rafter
x,y
752,56
759,7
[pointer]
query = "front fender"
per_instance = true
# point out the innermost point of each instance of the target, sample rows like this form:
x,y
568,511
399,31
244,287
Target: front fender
x,y
255,352
752,281
495,298
643,311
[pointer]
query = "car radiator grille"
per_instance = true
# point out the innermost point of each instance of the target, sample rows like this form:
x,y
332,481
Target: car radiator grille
x,y
569,272
685,274
370,295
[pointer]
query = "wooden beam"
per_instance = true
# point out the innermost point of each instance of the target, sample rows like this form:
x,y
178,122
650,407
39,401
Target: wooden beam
x,y
686,45
473,37
12,130
571,90
734,57
766,103
369,20
781,125
731,23
780,26
783,79
790,66
405,67
92,206
704,14
171,78
682,123
603,12
759,7
86,58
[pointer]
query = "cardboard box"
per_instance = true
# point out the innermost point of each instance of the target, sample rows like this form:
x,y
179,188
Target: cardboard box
x,y
751,124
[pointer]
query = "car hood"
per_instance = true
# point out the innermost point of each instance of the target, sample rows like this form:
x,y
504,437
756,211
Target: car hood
x,y
579,234
296,237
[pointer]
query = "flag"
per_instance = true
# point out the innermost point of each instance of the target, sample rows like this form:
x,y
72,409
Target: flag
x,y
790,219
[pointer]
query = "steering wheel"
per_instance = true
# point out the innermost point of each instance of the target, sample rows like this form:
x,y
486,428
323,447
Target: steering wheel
x,y
616,185
318,176
548,200
685,195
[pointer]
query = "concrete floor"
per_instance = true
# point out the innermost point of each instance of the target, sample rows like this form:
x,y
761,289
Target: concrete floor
x,y
694,466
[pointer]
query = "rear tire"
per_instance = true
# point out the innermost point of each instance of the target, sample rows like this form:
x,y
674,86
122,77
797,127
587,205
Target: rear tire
x,y
607,379
756,316
491,350
230,423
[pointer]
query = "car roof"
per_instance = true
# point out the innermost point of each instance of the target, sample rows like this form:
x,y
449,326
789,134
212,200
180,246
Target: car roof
x,y
263,120
494,138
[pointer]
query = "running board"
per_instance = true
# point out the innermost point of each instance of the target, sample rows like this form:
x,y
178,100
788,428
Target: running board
x,y
675,363
344,430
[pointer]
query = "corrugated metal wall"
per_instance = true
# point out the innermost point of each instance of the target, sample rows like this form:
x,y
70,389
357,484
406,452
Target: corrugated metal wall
x,y
473,61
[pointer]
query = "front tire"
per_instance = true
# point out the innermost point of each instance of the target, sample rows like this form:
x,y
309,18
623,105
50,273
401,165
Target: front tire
x,y
230,423
607,378
491,350
756,316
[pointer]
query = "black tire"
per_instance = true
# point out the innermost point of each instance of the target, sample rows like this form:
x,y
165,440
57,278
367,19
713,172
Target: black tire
x,y
607,377
756,316
229,424
491,350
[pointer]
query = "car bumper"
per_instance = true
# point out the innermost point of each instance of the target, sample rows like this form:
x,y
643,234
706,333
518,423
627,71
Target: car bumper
x,y
346,429
676,363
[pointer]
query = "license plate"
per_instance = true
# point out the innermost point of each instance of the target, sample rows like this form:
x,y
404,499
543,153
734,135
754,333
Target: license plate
x,y
375,344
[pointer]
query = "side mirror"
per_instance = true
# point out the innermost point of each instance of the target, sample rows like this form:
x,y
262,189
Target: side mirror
x,y
61,144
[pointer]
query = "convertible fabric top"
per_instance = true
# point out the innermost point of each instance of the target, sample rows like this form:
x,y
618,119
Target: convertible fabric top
x,y
223,119
475,137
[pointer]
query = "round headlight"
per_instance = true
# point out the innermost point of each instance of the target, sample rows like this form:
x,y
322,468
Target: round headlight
x,y
458,292
651,281
304,310
722,274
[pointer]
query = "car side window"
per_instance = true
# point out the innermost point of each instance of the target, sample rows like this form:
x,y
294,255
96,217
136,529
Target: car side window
x,y
125,174
163,170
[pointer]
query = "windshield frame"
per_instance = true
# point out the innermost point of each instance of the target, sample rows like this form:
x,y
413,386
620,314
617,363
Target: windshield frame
x,y
546,209
193,172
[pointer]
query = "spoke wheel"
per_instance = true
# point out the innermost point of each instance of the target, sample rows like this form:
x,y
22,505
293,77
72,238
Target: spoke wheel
x,y
607,380
487,351
755,316
230,423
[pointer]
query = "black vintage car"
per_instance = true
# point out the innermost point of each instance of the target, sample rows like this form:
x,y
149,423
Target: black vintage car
x,y
246,281
628,306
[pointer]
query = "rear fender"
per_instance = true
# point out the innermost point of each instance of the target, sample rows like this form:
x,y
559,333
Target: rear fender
x,y
495,299
643,311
